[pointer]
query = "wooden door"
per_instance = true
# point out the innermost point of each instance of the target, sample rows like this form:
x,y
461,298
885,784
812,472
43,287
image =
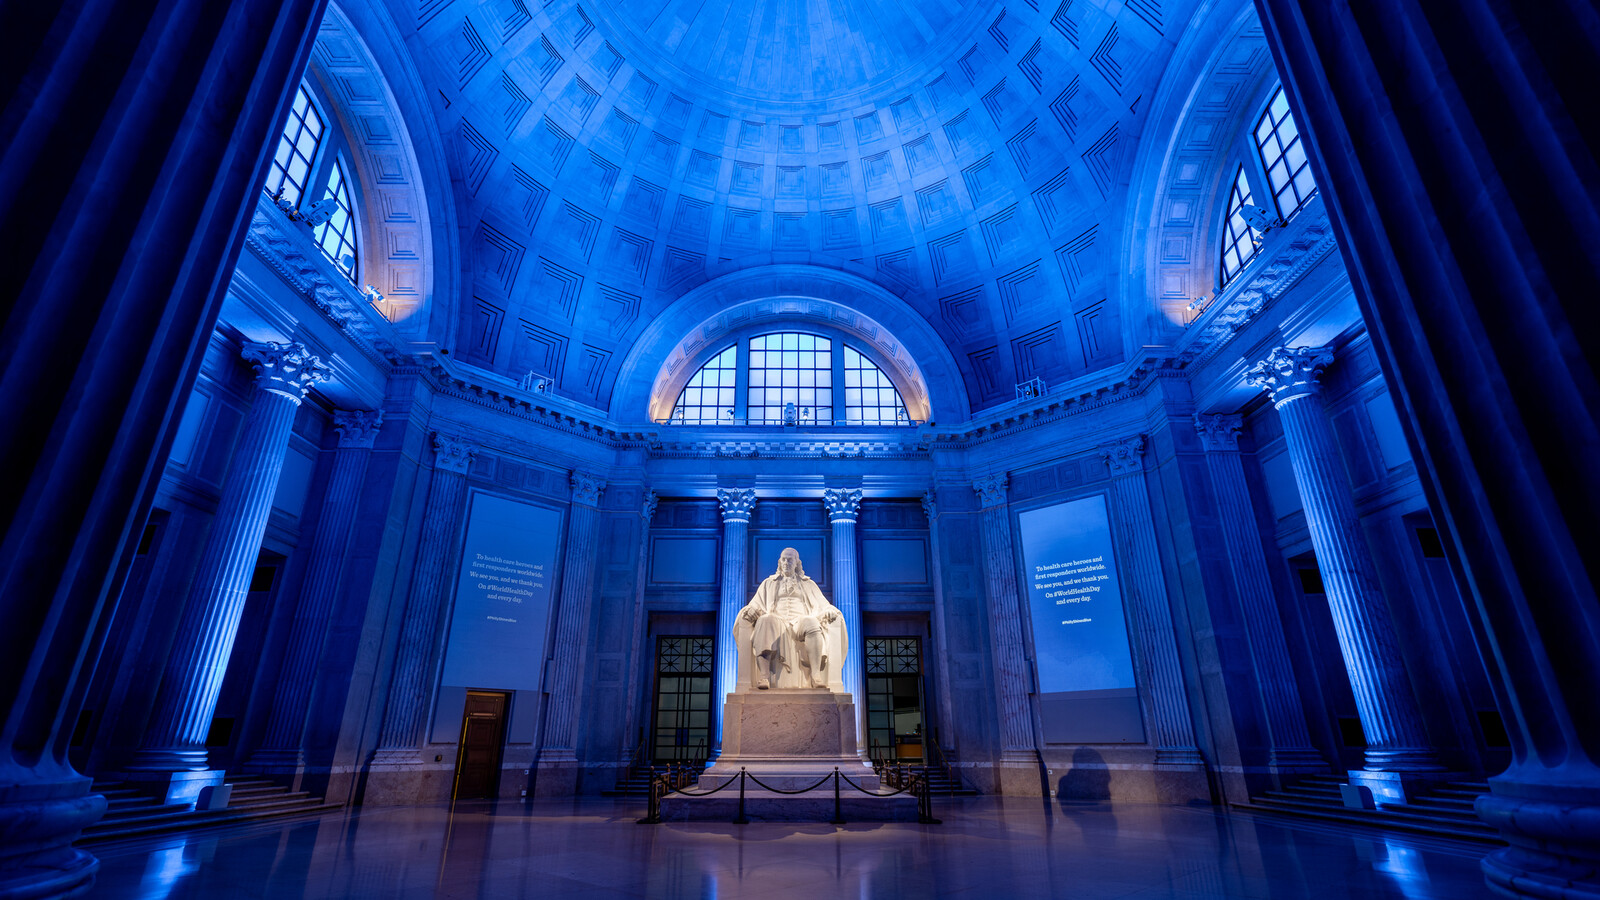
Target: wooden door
x,y
483,737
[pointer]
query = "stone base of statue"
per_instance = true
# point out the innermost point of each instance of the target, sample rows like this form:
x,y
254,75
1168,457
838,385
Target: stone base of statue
x,y
789,739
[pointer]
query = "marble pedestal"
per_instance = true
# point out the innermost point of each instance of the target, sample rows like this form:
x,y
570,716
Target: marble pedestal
x,y
790,738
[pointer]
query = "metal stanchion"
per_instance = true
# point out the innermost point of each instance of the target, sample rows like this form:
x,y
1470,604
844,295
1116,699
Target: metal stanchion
x,y
741,819
838,814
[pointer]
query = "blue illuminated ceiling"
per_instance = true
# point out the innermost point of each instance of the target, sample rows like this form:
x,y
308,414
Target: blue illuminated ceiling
x,y
969,158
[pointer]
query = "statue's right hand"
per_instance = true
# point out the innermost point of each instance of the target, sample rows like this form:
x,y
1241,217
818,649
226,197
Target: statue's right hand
x,y
751,614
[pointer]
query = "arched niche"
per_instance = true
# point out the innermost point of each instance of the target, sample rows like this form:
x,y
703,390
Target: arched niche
x,y
1171,248
408,247
706,319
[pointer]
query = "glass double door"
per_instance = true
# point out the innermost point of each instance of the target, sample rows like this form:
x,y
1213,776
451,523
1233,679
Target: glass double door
x,y
895,721
682,727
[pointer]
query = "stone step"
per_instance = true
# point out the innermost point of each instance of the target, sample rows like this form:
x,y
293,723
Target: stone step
x,y
1370,819
100,832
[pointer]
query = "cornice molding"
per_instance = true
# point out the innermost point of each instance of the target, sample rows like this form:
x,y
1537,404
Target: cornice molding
x,y
283,248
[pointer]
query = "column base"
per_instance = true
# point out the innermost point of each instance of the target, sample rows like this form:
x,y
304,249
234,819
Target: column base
x,y
1398,787
1555,843
1297,761
402,778
555,774
38,822
276,762
174,787
1411,760
1188,757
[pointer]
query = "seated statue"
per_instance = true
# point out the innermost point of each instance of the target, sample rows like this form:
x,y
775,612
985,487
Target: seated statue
x,y
789,635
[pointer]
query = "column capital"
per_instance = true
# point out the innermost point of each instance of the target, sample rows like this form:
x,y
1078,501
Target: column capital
x,y
452,454
991,489
736,503
1218,431
842,503
1290,372
930,504
647,509
1125,456
586,488
357,428
286,369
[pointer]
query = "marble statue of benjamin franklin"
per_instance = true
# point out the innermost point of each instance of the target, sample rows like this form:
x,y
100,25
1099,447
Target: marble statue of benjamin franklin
x,y
796,638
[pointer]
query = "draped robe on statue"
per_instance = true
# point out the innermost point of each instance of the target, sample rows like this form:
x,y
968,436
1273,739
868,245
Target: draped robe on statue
x,y
788,610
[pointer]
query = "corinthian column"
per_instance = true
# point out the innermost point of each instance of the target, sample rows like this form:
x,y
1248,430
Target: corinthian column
x,y
282,746
1289,744
400,741
1396,739
572,621
842,506
1005,618
737,504
1172,727
176,738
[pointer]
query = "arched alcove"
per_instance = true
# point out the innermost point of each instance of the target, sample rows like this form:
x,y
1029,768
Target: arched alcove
x,y
700,323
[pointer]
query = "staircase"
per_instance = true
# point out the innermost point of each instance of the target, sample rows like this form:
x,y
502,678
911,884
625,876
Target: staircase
x,y
131,813
1444,810
942,781
635,781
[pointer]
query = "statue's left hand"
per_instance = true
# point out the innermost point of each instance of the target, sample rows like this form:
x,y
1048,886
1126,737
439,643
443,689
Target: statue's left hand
x,y
829,617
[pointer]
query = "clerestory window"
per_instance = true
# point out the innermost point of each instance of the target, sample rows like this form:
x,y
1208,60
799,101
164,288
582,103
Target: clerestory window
x,y
297,150
790,378
337,236
1283,156
1238,238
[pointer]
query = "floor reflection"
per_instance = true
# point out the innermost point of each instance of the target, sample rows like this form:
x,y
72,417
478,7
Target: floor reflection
x,y
988,848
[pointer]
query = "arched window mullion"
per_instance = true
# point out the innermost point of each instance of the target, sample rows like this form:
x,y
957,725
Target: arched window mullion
x,y
1238,238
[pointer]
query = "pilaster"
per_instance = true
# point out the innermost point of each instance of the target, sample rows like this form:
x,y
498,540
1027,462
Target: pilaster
x,y
1171,725
1018,749
417,656
558,758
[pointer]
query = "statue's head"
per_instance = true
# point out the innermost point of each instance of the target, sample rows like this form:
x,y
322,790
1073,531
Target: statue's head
x,y
789,564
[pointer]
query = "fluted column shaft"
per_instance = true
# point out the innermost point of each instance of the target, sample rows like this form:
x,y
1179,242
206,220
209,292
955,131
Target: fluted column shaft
x,y
842,507
400,739
572,626
1171,725
187,699
286,726
1288,739
941,642
1005,619
736,504
1390,717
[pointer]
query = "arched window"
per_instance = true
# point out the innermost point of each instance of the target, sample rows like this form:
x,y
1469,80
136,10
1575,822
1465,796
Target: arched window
x,y
708,397
337,236
297,150
790,378
312,151
1238,238
790,368
1283,156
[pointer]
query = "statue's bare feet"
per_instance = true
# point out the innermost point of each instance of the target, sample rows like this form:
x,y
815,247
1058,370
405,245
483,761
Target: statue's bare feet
x,y
762,684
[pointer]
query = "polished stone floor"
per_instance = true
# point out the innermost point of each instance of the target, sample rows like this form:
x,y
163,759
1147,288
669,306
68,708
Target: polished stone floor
x,y
988,848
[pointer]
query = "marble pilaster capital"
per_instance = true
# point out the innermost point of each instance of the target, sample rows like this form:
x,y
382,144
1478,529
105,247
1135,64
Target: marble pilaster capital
x,y
1290,372
586,488
285,369
842,503
648,508
930,504
357,428
991,489
1218,431
736,503
452,454
1125,456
